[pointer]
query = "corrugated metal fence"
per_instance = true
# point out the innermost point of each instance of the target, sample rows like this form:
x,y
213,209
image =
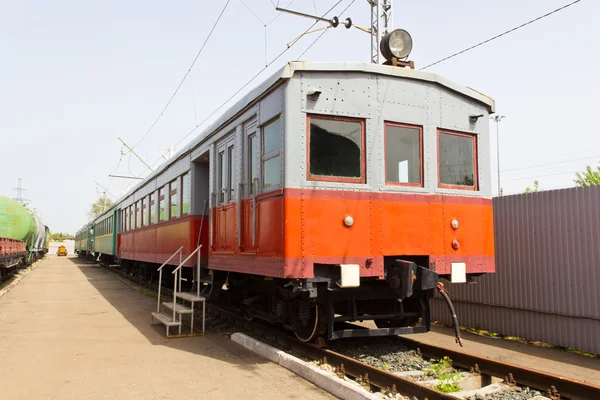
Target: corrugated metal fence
x,y
547,281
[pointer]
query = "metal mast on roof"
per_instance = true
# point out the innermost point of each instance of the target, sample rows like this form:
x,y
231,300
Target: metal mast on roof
x,y
381,24
381,31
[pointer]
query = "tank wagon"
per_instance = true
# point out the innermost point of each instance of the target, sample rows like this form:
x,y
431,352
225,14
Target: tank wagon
x,y
331,193
23,237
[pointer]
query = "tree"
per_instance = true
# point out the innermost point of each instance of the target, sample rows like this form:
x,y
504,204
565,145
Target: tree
x,y
536,187
588,178
60,237
101,205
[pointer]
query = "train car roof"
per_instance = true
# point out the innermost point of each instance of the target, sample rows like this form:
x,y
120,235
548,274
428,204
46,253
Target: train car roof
x,y
287,72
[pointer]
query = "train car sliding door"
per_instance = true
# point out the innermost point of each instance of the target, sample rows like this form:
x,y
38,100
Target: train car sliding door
x,y
225,221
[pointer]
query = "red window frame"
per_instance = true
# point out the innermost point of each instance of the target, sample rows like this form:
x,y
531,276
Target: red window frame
x,y
421,161
475,186
363,153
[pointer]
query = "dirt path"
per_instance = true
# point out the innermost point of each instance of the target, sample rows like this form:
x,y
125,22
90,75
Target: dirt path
x,y
71,331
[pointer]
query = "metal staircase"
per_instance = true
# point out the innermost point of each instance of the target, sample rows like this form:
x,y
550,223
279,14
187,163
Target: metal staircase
x,y
174,317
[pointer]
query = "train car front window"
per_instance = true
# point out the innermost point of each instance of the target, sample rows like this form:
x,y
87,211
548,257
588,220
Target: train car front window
x,y
457,160
337,149
403,149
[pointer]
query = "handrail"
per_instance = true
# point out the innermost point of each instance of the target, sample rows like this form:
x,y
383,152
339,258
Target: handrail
x,y
170,258
160,277
188,257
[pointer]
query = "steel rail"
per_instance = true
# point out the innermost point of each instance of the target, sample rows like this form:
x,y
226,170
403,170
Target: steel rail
x,y
567,387
539,380
352,367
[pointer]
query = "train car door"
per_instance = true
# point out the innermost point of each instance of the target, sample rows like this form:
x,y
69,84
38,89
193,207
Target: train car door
x,y
224,221
249,189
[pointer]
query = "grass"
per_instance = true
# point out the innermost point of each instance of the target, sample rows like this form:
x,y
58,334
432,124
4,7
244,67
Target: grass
x,y
482,332
443,370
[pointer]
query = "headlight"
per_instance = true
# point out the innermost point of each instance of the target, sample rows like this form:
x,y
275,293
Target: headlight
x,y
397,43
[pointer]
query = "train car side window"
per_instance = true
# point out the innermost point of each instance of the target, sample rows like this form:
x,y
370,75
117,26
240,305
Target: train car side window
x,y
153,207
457,160
174,199
185,194
336,149
144,211
270,154
138,214
162,199
403,155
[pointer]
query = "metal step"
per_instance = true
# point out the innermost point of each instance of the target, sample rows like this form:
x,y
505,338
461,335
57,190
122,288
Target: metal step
x,y
179,308
189,296
165,319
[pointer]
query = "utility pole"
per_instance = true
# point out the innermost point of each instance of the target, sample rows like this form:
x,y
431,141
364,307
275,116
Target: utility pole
x,y
19,189
381,23
497,119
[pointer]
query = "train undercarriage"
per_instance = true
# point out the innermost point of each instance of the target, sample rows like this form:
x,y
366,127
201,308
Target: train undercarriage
x,y
318,309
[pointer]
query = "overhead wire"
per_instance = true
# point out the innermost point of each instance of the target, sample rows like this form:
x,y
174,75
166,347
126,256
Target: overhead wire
x,y
502,34
255,76
323,33
184,77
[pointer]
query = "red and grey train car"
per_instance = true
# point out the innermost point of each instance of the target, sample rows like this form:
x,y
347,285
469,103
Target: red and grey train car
x,y
331,193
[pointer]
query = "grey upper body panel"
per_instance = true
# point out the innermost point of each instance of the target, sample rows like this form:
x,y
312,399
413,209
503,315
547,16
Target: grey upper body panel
x,y
405,95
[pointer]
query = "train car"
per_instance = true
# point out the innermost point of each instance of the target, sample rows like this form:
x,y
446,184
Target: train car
x,y
105,242
331,193
23,237
84,240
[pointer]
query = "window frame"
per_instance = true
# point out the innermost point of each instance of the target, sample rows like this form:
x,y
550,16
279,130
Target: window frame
x,y
472,136
363,154
264,157
422,163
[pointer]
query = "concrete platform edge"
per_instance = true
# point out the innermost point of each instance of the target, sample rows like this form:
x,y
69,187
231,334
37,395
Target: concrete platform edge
x,y
323,379
19,277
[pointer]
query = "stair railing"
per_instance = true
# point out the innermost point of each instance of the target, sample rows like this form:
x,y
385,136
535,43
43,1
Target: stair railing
x,y
160,275
177,274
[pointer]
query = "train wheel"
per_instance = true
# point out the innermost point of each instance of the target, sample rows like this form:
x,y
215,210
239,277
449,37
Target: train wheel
x,y
307,328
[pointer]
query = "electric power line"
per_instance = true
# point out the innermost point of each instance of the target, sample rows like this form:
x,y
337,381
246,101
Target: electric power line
x,y
184,77
252,12
502,34
254,77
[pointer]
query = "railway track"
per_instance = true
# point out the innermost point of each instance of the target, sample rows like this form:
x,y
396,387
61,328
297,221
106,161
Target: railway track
x,y
428,367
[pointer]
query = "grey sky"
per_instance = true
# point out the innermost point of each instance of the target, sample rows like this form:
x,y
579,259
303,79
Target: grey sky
x,y
76,75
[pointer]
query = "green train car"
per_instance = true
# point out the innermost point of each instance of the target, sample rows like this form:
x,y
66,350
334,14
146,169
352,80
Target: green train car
x,y
105,237
84,241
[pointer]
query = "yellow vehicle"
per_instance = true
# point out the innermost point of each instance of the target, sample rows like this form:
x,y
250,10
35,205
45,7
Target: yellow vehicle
x,y
62,251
